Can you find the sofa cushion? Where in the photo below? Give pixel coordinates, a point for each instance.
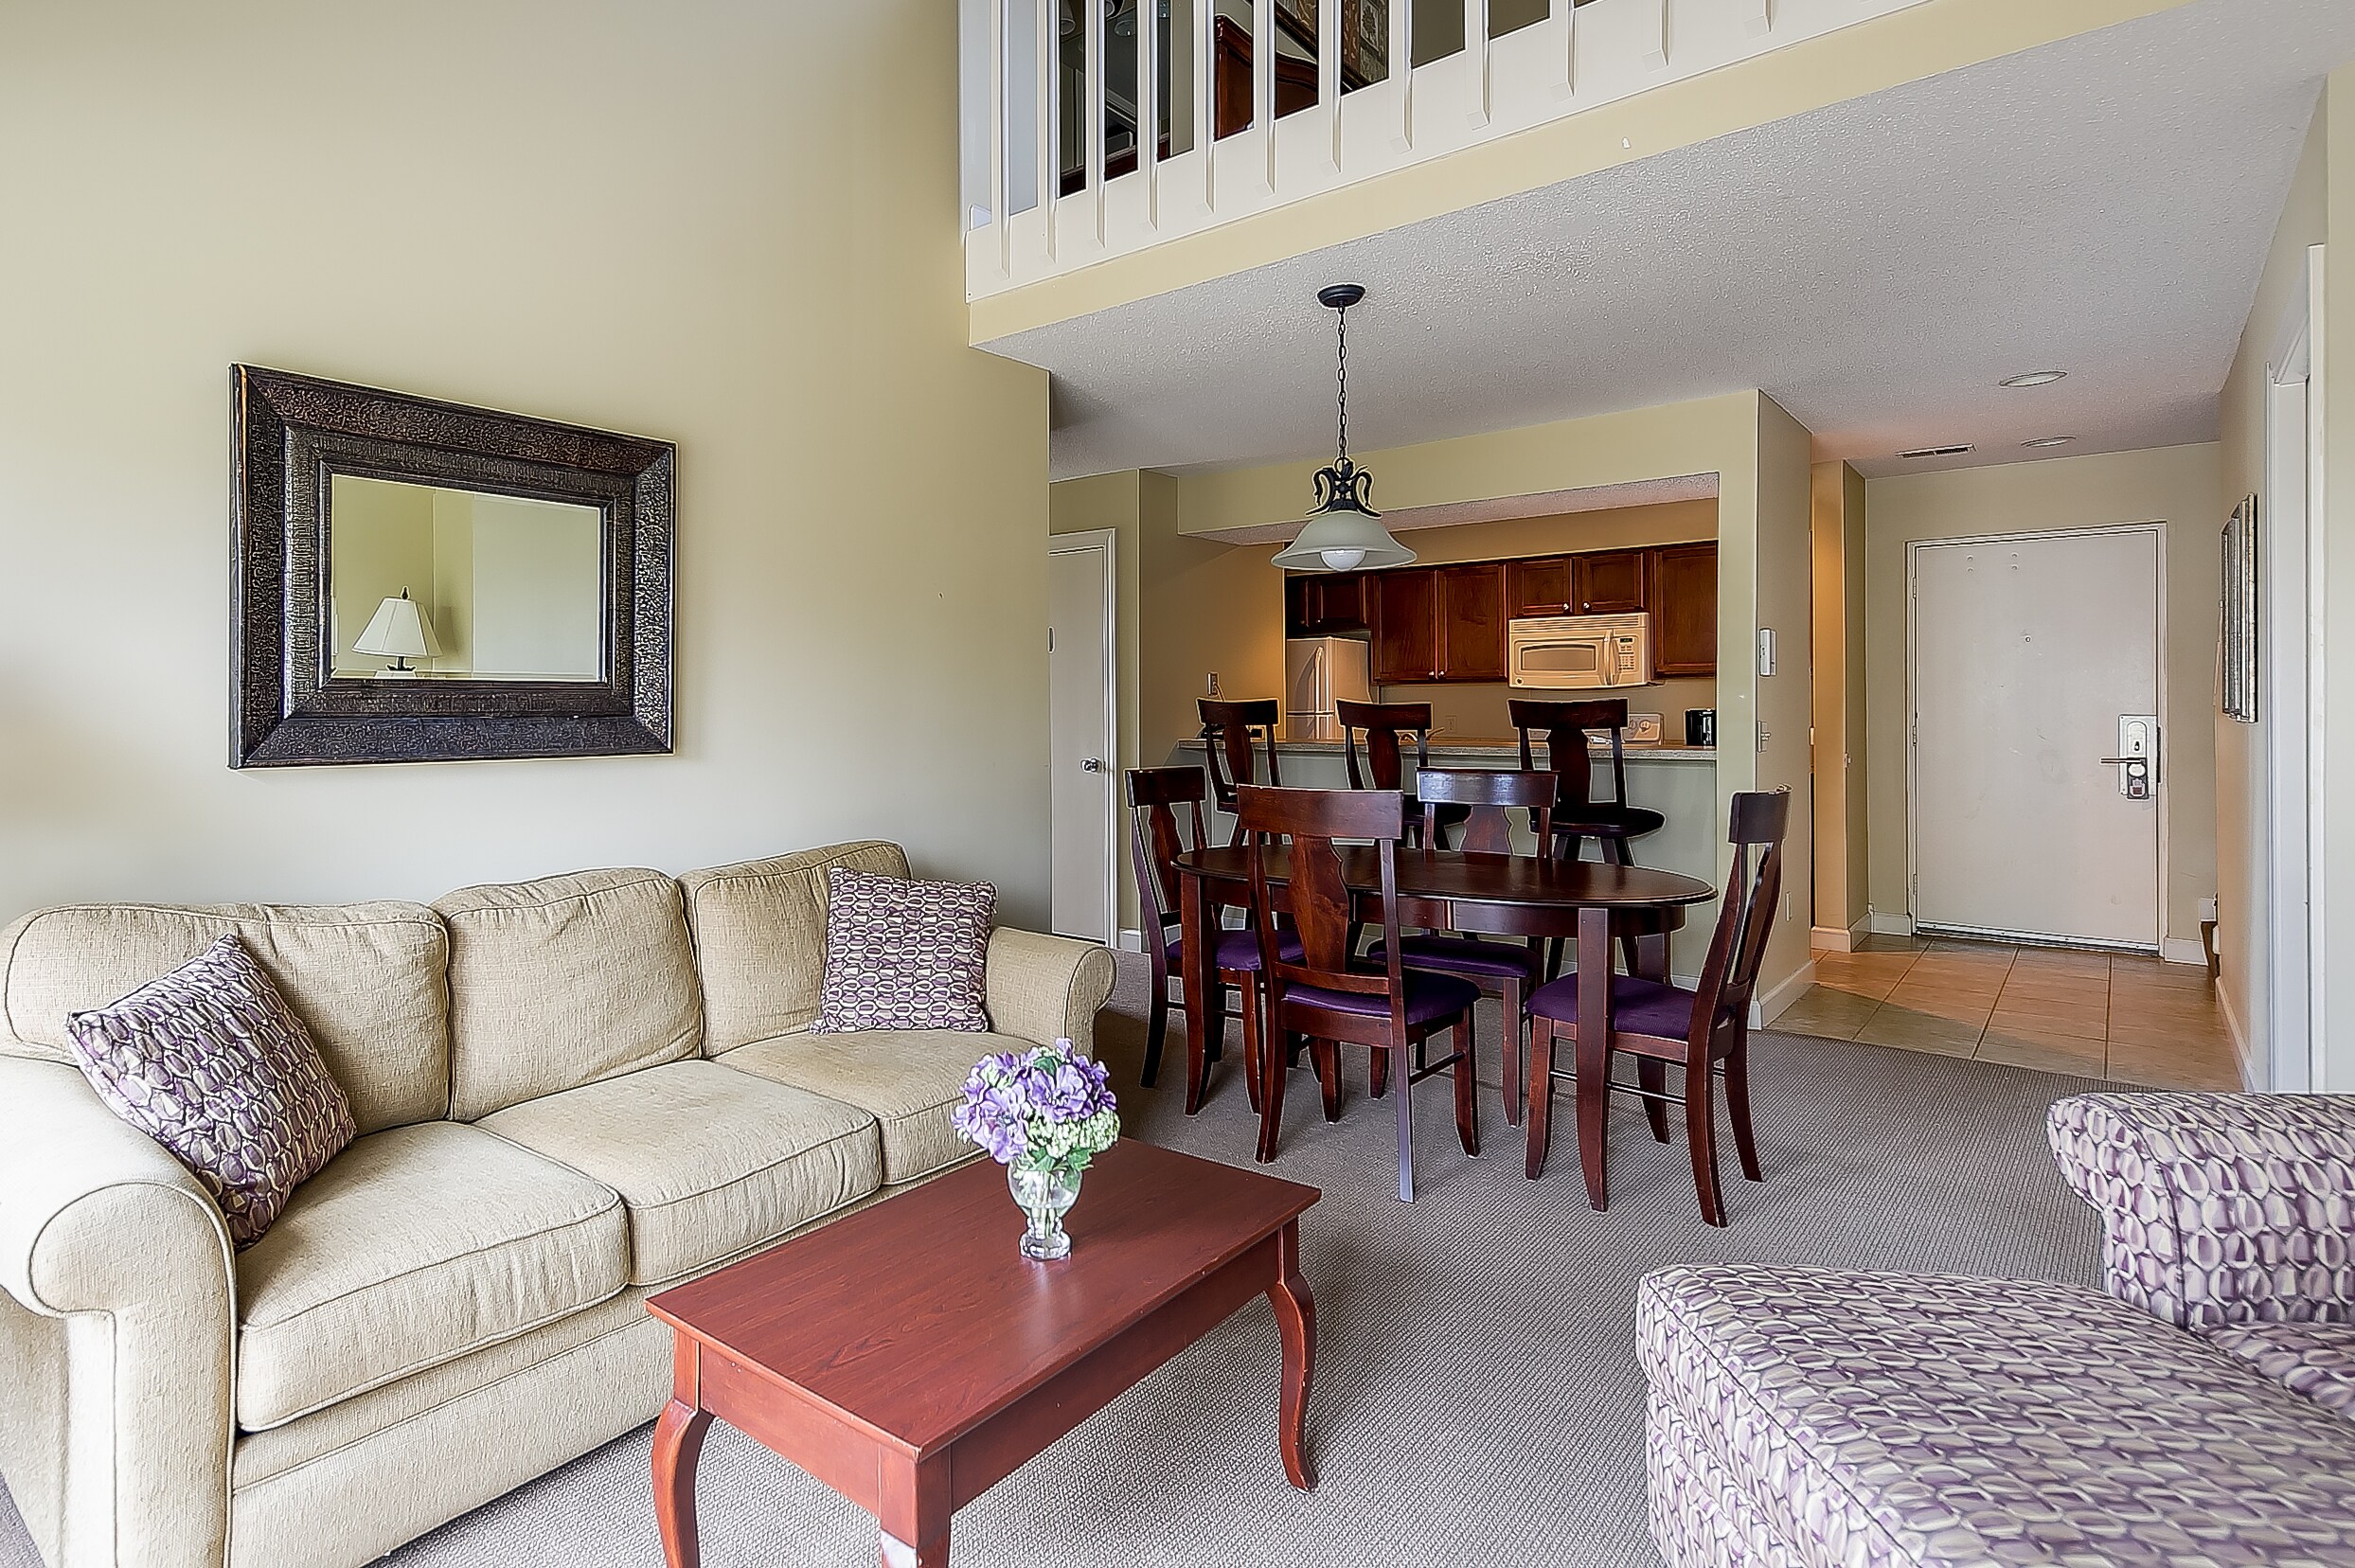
(759, 930)
(1925, 1420)
(208, 1062)
(904, 955)
(368, 980)
(2315, 1361)
(413, 1247)
(710, 1160)
(561, 982)
(909, 1079)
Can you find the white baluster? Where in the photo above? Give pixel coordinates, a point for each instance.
(1095, 102)
(1050, 119)
(1263, 80)
(1402, 70)
(1328, 70)
(1562, 15)
(1476, 44)
(1205, 121)
(1148, 106)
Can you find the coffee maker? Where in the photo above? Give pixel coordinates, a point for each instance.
(1700, 728)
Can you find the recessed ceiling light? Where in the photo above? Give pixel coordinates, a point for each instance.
(1938, 451)
(2050, 441)
(2034, 378)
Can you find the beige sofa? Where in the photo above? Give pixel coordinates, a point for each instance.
(570, 1093)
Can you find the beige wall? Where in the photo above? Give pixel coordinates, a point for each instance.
(2244, 930)
(2181, 487)
(1785, 698)
(1842, 863)
(731, 226)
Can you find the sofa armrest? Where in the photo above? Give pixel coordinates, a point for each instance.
(2219, 1208)
(1045, 988)
(103, 1228)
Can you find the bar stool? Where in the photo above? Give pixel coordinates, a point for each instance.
(1228, 733)
(1385, 765)
(1610, 823)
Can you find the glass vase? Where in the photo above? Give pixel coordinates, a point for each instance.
(1044, 1197)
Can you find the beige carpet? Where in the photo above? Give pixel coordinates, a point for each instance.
(1477, 1400)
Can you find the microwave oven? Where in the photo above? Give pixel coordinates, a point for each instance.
(1579, 652)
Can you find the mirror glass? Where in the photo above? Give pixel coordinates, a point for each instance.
(430, 582)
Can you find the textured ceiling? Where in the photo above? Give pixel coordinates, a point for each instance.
(2102, 205)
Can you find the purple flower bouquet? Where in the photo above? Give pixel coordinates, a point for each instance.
(1043, 1114)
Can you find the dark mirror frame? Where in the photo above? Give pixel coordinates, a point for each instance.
(290, 436)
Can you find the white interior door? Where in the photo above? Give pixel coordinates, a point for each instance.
(2028, 651)
(1080, 751)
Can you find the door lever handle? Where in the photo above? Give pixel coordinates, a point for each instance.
(2121, 761)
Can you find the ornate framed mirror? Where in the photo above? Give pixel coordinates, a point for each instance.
(420, 581)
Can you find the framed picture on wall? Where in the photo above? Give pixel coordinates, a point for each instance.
(2238, 679)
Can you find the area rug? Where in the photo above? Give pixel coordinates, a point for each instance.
(1477, 1399)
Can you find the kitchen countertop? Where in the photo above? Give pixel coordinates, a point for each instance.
(1474, 746)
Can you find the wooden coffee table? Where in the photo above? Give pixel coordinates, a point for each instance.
(910, 1358)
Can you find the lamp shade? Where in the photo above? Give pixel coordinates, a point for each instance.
(400, 630)
(1343, 539)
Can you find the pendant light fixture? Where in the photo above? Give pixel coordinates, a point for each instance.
(1343, 532)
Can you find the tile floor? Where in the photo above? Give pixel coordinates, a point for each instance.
(2131, 1019)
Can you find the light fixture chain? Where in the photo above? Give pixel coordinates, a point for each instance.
(1344, 383)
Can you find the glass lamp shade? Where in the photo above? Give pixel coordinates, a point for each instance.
(1343, 539)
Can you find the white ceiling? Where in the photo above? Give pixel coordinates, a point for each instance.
(2102, 205)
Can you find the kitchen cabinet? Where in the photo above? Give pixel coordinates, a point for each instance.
(1470, 614)
(1684, 609)
(1541, 586)
(1323, 604)
(1406, 641)
(1611, 583)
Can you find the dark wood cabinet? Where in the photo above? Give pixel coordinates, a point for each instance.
(1684, 609)
(1471, 616)
(1611, 583)
(1406, 644)
(1323, 604)
(1541, 586)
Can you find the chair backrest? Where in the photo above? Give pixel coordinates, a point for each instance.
(1755, 826)
(1158, 796)
(1565, 726)
(1491, 792)
(1227, 732)
(1322, 913)
(1383, 723)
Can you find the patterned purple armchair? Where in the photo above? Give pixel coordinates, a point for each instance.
(1861, 1420)
(2219, 1209)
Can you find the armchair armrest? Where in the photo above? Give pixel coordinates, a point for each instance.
(100, 1226)
(2219, 1208)
(1043, 988)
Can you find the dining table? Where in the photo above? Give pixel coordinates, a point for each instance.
(1473, 894)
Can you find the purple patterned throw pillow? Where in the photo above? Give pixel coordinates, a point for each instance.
(209, 1062)
(904, 955)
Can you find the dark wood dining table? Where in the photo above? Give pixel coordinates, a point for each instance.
(1473, 894)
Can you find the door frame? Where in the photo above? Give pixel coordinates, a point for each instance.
(1107, 540)
(2294, 971)
(2161, 798)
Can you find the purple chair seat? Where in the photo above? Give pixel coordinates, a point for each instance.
(1461, 955)
(1240, 950)
(1429, 997)
(1638, 1006)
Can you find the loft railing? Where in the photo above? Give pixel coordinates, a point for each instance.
(1145, 120)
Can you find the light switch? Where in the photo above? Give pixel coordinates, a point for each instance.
(1766, 651)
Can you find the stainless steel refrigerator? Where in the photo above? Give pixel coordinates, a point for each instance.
(1318, 673)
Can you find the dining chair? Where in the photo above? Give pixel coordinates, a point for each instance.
(1228, 733)
(1705, 1030)
(1506, 970)
(1610, 823)
(1325, 993)
(1158, 796)
(1384, 768)
(1564, 725)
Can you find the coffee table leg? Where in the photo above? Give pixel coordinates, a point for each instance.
(913, 1505)
(1295, 1319)
(678, 1445)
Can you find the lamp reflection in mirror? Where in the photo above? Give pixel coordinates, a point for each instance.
(400, 631)
(1344, 531)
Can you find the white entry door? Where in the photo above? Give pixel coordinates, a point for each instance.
(1081, 750)
(2034, 657)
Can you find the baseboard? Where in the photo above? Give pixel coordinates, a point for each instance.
(2252, 1078)
(1769, 1004)
(2182, 950)
(1832, 939)
(1890, 925)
